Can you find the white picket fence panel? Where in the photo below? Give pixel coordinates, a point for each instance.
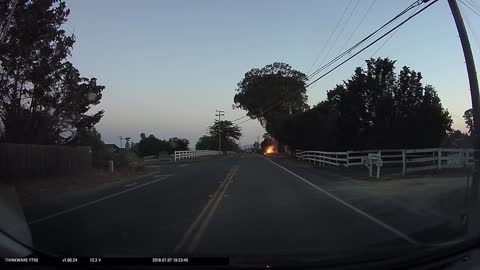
(410, 159)
(178, 155)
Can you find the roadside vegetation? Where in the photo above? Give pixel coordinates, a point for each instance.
(376, 108)
(229, 134)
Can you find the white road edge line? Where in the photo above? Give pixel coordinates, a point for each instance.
(377, 221)
(131, 184)
(160, 175)
(92, 202)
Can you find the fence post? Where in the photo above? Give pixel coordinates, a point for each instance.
(440, 158)
(378, 171)
(370, 167)
(348, 159)
(378, 167)
(404, 163)
(110, 166)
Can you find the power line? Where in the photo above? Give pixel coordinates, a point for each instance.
(331, 35)
(363, 49)
(473, 4)
(390, 37)
(339, 34)
(471, 8)
(244, 121)
(470, 28)
(358, 25)
(413, 5)
(375, 41)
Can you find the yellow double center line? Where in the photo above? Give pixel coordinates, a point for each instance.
(195, 232)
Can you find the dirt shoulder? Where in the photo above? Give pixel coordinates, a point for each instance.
(440, 193)
(33, 191)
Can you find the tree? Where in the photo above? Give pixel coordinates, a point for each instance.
(88, 137)
(468, 116)
(374, 109)
(149, 146)
(207, 143)
(458, 139)
(177, 144)
(256, 146)
(43, 98)
(229, 134)
(269, 93)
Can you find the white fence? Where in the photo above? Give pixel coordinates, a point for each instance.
(410, 159)
(194, 153)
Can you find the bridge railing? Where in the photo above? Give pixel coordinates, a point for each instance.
(194, 153)
(409, 160)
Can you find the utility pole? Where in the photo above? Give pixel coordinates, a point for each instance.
(219, 113)
(473, 219)
(121, 141)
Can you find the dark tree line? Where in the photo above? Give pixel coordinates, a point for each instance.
(375, 109)
(149, 146)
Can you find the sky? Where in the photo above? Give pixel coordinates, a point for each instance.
(167, 65)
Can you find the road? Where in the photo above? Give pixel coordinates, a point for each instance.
(235, 205)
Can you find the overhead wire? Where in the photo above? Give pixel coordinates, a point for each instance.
(411, 6)
(390, 37)
(473, 4)
(355, 54)
(375, 41)
(331, 35)
(339, 34)
(470, 7)
(470, 29)
(358, 25)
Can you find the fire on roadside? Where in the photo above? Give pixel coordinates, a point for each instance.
(270, 150)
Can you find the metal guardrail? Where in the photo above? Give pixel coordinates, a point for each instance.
(194, 153)
(410, 159)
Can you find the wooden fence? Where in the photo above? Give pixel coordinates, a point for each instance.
(409, 160)
(29, 160)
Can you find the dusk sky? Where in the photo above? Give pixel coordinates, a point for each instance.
(168, 65)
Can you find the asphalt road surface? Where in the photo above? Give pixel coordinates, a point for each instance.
(234, 205)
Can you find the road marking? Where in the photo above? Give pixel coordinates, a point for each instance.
(198, 236)
(200, 216)
(183, 165)
(161, 175)
(132, 184)
(377, 221)
(92, 202)
(203, 213)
